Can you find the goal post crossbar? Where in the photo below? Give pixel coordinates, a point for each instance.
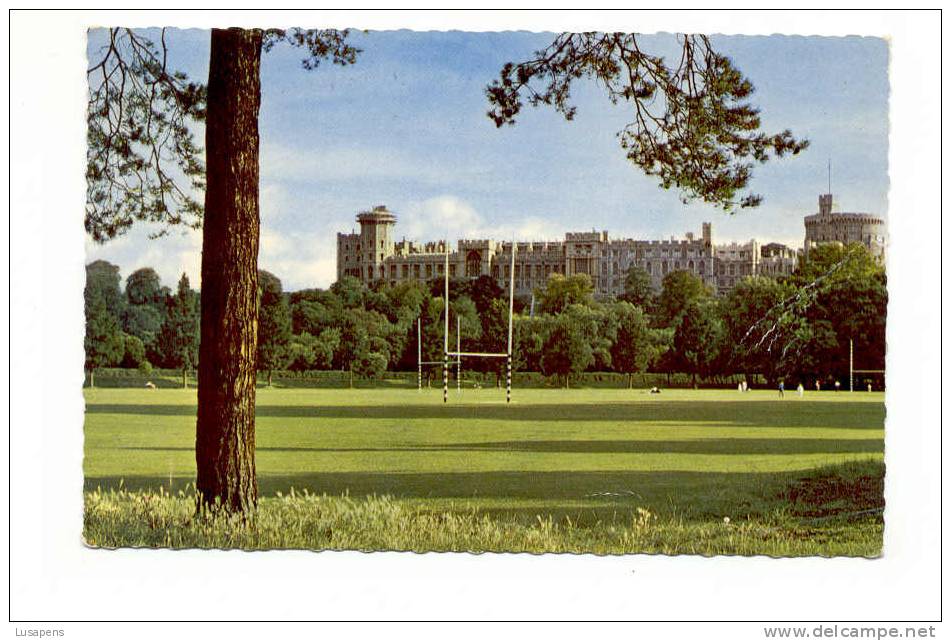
(478, 354)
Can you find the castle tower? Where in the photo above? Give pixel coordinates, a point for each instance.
(376, 241)
(825, 204)
(707, 231)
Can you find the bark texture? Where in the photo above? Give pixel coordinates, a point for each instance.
(224, 448)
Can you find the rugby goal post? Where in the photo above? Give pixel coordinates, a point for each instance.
(458, 354)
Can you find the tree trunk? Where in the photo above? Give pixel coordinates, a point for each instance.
(269, 372)
(630, 381)
(92, 379)
(351, 375)
(184, 378)
(224, 448)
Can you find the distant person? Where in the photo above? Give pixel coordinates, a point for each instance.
(818, 385)
(745, 386)
(655, 390)
(782, 388)
(800, 390)
(870, 387)
(837, 385)
(739, 387)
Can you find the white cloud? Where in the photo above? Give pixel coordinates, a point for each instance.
(171, 255)
(299, 260)
(451, 217)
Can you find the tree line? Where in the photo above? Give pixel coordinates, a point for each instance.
(796, 328)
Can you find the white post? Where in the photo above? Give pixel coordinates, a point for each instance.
(851, 373)
(458, 357)
(445, 337)
(508, 374)
(419, 354)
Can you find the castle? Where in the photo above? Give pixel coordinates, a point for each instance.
(373, 254)
(836, 227)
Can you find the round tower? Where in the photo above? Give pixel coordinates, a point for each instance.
(376, 240)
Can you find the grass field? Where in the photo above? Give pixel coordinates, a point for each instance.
(591, 459)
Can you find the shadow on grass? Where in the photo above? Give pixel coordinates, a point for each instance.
(793, 413)
(720, 446)
(579, 494)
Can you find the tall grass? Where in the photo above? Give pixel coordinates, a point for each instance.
(829, 512)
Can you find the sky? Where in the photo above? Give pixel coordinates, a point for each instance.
(407, 127)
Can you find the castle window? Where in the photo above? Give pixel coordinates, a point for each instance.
(473, 264)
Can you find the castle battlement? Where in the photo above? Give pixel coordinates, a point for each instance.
(372, 255)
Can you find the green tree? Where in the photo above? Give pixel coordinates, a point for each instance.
(104, 342)
(750, 318)
(179, 337)
(324, 347)
(142, 321)
(529, 342)
(561, 292)
(274, 325)
(698, 339)
(843, 297)
(144, 287)
(638, 289)
(568, 347)
(693, 125)
(362, 333)
(680, 291)
(306, 352)
(470, 325)
(493, 339)
(633, 349)
(433, 329)
(405, 302)
(102, 279)
(311, 316)
(145, 304)
(349, 291)
(139, 136)
(370, 364)
(133, 352)
(484, 291)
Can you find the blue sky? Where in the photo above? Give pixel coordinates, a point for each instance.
(406, 127)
